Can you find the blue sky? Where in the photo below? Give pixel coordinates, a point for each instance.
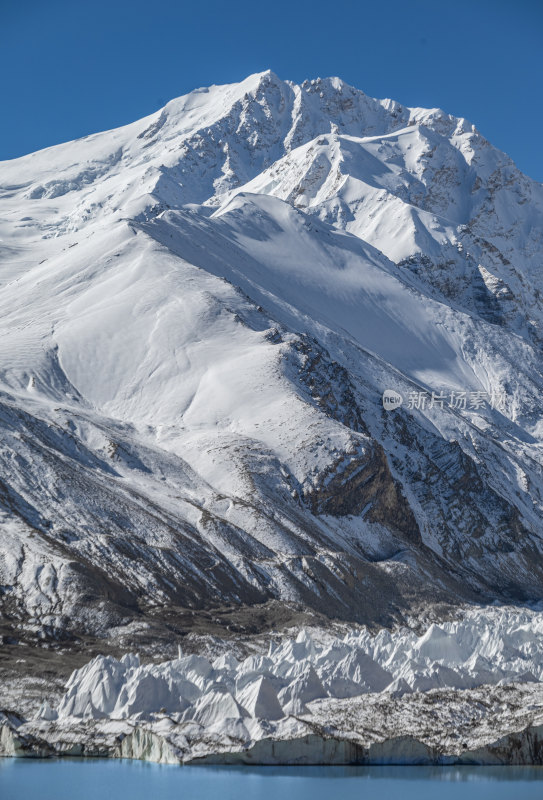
(68, 69)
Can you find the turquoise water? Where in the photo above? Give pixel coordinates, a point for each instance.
(73, 779)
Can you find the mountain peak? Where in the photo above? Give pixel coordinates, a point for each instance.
(199, 315)
(260, 80)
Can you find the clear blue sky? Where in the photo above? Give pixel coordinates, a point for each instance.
(73, 67)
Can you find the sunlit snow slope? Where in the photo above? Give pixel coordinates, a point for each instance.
(199, 314)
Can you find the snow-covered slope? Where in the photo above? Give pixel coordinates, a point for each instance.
(199, 314)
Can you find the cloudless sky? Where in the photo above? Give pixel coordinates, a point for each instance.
(73, 67)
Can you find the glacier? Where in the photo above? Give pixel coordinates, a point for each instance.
(497, 646)
(364, 697)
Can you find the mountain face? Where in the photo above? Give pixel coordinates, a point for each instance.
(199, 315)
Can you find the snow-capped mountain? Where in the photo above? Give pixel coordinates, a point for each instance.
(199, 315)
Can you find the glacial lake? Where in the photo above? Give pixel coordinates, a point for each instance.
(103, 779)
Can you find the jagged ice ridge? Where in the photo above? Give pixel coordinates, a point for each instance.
(485, 647)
